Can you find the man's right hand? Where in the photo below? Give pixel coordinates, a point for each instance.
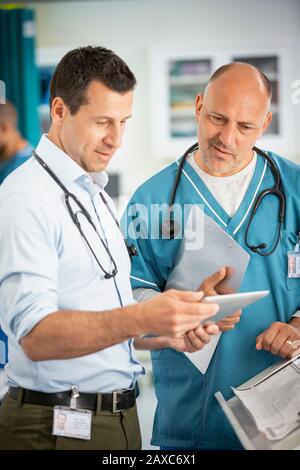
(174, 313)
(194, 340)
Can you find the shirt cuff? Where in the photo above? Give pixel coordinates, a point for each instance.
(296, 314)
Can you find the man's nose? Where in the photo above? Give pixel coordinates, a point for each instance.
(227, 135)
(114, 136)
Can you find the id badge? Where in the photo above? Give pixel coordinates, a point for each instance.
(294, 264)
(72, 422)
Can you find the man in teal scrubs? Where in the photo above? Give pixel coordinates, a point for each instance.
(14, 150)
(224, 174)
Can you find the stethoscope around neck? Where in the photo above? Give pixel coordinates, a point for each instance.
(82, 210)
(170, 228)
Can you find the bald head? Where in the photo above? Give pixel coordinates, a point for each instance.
(8, 113)
(240, 72)
(232, 114)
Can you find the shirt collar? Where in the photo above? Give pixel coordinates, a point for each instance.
(65, 168)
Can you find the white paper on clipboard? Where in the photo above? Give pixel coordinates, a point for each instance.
(193, 266)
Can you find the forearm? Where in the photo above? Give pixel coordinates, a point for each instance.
(69, 334)
(151, 344)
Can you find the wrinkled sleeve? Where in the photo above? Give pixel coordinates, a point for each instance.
(29, 242)
(135, 224)
(142, 295)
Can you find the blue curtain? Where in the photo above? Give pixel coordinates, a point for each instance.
(18, 69)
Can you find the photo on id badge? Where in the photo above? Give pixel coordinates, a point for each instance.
(61, 421)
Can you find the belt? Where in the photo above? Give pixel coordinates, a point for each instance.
(119, 400)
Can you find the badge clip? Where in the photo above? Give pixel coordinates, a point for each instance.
(74, 396)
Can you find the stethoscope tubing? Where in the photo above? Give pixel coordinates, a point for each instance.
(276, 189)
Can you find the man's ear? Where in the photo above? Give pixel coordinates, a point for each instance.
(267, 121)
(199, 104)
(58, 110)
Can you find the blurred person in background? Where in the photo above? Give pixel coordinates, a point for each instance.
(14, 149)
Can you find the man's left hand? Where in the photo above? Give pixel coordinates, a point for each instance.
(217, 284)
(228, 323)
(275, 338)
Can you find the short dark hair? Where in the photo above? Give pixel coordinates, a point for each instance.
(79, 67)
(225, 68)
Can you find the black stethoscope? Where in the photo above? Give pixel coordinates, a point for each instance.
(132, 251)
(170, 227)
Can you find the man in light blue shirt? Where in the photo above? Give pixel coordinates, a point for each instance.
(14, 150)
(68, 308)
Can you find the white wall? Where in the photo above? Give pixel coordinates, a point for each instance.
(131, 27)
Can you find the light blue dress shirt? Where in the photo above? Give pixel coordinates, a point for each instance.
(46, 266)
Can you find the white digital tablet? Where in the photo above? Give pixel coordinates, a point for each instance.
(230, 303)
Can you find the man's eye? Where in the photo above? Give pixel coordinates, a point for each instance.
(101, 123)
(217, 118)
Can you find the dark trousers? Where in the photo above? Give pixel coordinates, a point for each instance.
(26, 426)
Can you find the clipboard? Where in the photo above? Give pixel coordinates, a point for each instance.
(195, 262)
(243, 424)
(213, 250)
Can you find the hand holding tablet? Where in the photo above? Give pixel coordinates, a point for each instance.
(230, 303)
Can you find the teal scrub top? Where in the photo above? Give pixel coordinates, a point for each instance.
(187, 414)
